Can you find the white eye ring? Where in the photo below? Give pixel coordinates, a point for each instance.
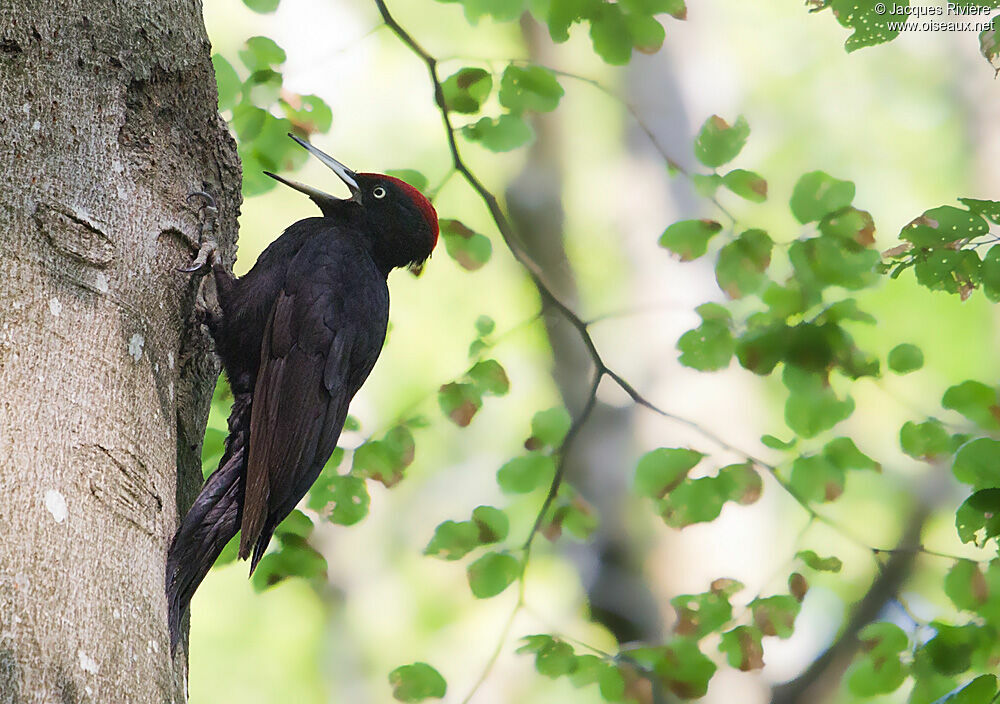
(378, 192)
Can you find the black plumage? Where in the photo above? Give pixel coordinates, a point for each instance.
(297, 337)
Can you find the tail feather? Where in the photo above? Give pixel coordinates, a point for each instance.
(210, 524)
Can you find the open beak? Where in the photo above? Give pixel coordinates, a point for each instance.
(319, 197)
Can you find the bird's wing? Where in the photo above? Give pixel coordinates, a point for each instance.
(323, 335)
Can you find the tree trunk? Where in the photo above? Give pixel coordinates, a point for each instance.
(609, 563)
(108, 121)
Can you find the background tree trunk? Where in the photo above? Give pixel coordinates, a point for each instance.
(108, 120)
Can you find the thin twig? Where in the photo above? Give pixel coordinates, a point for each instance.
(550, 299)
(501, 641)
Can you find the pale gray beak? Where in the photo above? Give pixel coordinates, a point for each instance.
(319, 197)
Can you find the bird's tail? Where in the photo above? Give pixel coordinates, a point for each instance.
(212, 521)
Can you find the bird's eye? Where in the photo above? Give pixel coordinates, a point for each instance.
(378, 192)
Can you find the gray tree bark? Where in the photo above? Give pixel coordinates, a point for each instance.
(107, 121)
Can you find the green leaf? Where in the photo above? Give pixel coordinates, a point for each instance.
(879, 670)
(981, 690)
(816, 479)
(550, 426)
(675, 8)
(453, 540)
(489, 377)
(309, 113)
(968, 588)
(788, 300)
(466, 90)
(485, 325)
(978, 463)
(846, 309)
(340, 498)
(714, 311)
(492, 573)
(590, 669)
(825, 261)
(491, 523)
(416, 682)
(746, 184)
(743, 648)
(701, 500)
(706, 184)
(989, 45)
(949, 270)
(500, 10)
(929, 686)
(942, 225)
(989, 209)
(295, 558)
(610, 34)
(709, 347)
(411, 176)
(905, 358)
(646, 34)
(777, 443)
(227, 81)
(247, 122)
(466, 246)
(553, 657)
(660, 471)
(564, 13)
(261, 53)
(262, 6)
(775, 615)
(978, 518)
(820, 564)
(989, 270)
(742, 263)
(688, 239)
(296, 524)
(385, 460)
(844, 454)
(701, 614)
(459, 401)
(850, 224)
(684, 669)
(503, 134)
(575, 516)
(718, 143)
(529, 88)
(976, 401)
(870, 26)
(817, 194)
(523, 474)
(952, 647)
(760, 350)
(809, 413)
(263, 88)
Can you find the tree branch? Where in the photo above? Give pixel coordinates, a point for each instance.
(813, 685)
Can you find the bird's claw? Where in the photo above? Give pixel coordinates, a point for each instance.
(208, 211)
(208, 208)
(204, 260)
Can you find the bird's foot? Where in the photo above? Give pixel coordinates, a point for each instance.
(207, 211)
(203, 262)
(207, 214)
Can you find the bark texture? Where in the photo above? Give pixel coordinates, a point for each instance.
(108, 120)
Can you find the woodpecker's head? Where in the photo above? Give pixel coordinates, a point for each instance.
(402, 222)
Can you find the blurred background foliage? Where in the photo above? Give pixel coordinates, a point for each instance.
(758, 231)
